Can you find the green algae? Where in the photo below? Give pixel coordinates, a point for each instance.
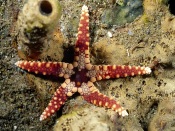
(124, 13)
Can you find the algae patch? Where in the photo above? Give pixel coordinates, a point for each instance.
(122, 14)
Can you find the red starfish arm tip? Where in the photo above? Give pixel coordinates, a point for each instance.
(83, 30)
(99, 72)
(57, 101)
(82, 43)
(45, 68)
(147, 70)
(99, 99)
(62, 93)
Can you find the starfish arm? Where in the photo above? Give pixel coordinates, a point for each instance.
(60, 96)
(92, 95)
(47, 68)
(99, 99)
(99, 72)
(82, 44)
(57, 101)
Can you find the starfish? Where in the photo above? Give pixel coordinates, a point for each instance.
(81, 74)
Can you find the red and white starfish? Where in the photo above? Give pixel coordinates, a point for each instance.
(80, 75)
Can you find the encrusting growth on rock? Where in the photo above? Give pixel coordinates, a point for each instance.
(80, 75)
(37, 20)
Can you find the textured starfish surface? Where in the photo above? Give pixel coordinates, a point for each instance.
(80, 75)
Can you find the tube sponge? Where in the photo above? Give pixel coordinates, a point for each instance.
(36, 20)
(40, 13)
